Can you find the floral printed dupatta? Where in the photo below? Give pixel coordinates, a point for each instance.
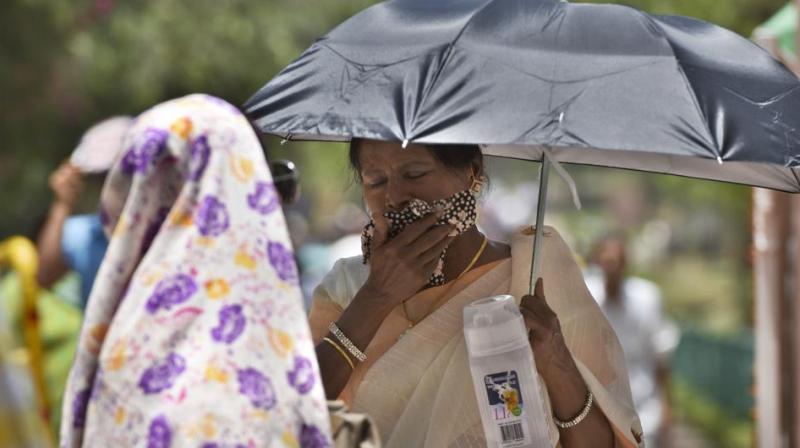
(195, 333)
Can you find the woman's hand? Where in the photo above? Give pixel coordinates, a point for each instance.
(398, 269)
(67, 184)
(402, 266)
(544, 333)
(564, 382)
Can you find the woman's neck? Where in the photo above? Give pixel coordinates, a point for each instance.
(463, 249)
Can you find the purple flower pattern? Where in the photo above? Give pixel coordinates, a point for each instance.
(212, 217)
(200, 152)
(302, 377)
(264, 199)
(153, 228)
(162, 376)
(256, 387)
(79, 405)
(312, 437)
(231, 324)
(159, 434)
(170, 292)
(141, 155)
(282, 260)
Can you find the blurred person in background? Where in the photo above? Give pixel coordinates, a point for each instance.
(318, 258)
(68, 242)
(633, 307)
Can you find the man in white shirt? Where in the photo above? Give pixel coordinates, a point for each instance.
(633, 307)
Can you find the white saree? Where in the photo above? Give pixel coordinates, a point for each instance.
(419, 389)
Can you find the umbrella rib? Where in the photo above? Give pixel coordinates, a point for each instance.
(376, 66)
(571, 81)
(794, 173)
(445, 60)
(765, 103)
(693, 95)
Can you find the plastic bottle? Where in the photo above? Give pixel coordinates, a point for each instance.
(504, 374)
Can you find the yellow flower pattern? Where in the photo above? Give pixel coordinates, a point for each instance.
(217, 288)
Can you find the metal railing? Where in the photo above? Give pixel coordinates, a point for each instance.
(721, 368)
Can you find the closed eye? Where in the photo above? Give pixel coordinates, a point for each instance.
(416, 174)
(375, 182)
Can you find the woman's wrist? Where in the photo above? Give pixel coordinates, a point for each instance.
(363, 316)
(374, 302)
(564, 381)
(554, 361)
(60, 208)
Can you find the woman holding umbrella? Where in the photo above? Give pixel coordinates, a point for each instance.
(388, 324)
(602, 85)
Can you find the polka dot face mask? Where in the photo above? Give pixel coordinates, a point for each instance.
(460, 210)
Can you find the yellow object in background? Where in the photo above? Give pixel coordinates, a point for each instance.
(19, 255)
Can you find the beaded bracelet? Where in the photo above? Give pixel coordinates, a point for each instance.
(348, 344)
(578, 418)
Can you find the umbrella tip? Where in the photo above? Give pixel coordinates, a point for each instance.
(719, 160)
(405, 143)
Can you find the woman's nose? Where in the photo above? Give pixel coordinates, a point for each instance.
(396, 197)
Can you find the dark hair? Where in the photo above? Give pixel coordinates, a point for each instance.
(454, 157)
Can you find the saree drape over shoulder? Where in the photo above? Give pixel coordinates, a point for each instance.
(416, 383)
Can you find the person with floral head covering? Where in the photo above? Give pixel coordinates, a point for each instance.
(195, 333)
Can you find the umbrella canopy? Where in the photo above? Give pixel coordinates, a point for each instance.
(596, 84)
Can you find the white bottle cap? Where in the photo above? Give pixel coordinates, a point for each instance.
(494, 325)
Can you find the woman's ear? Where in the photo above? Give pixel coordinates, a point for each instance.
(476, 167)
(477, 178)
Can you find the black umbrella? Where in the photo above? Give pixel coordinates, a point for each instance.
(603, 85)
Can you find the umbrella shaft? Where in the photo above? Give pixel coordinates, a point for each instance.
(541, 204)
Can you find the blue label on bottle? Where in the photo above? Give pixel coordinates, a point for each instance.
(505, 395)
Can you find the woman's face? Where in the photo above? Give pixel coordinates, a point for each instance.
(393, 175)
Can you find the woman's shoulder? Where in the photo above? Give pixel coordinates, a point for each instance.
(525, 236)
(557, 259)
(344, 280)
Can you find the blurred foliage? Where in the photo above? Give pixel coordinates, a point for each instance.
(694, 407)
(741, 16)
(60, 322)
(67, 64)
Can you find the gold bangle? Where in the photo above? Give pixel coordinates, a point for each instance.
(341, 352)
